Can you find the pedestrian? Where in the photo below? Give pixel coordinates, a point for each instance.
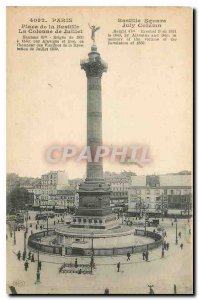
(179, 234)
(165, 234)
(167, 246)
(162, 252)
(29, 255)
(29, 218)
(128, 256)
(147, 255)
(24, 255)
(75, 262)
(26, 265)
(106, 292)
(118, 266)
(19, 255)
(39, 265)
(32, 258)
(40, 227)
(172, 224)
(181, 246)
(143, 255)
(151, 291)
(80, 271)
(92, 263)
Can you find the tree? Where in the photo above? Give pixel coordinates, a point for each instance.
(17, 199)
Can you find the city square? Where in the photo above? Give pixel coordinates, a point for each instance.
(113, 227)
(134, 275)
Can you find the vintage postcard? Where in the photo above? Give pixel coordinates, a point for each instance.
(99, 150)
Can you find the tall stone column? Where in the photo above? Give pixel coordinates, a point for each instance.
(94, 67)
(94, 193)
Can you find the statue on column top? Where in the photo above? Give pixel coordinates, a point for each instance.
(93, 30)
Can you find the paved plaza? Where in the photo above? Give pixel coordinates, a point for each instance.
(134, 276)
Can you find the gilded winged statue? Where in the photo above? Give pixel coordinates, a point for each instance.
(93, 30)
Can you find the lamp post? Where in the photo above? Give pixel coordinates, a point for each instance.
(175, 289)
(162, 207)
(176, 232)
(92, 237)
(26, 219)
(47, 223)
(188, 207)
(122, 218)
(140, 207)
(188, 211)
(38, 270)
(92, 249)
(163, 244)
(47, 217)
(14, 234)
(145, 220)
(25, 241)
(145, 226)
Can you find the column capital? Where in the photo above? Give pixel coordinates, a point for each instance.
(94, 66)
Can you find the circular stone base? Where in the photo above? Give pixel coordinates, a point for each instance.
(123, 236)
(67, 240)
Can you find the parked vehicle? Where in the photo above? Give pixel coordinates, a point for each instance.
(51, 215)
(19, 218)
(20, 226)
(153, 223)
(41, 216)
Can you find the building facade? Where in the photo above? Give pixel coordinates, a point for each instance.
(64, 200)
(119, 185)
(51, 182)
(160, 195)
